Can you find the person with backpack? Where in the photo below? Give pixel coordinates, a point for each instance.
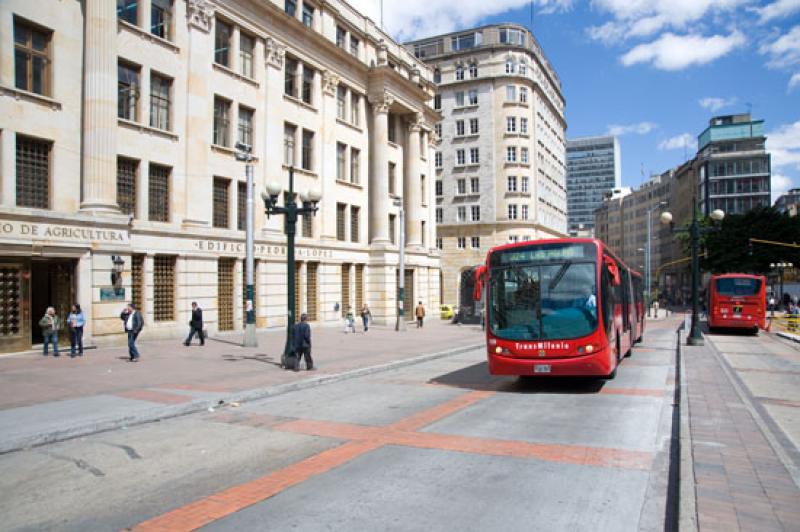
(133, 322)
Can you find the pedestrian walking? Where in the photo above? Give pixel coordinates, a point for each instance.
(366, 316)
(196, 325)
(349, 321)
(76, 321)
(50, 325)
(302, 343)
(134, 322)
(419, 312)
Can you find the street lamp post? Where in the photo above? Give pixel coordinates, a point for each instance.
(291, 211)
(781, 267)
(400, 325)
(695, 336)
(648, 253)
(244, 154)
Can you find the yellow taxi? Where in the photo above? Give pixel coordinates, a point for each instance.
(446, 312)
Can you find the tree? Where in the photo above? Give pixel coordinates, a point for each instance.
(729, 249)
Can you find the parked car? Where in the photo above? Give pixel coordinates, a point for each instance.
(446, 312)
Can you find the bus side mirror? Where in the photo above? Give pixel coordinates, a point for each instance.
(480, 275)
(613, 271)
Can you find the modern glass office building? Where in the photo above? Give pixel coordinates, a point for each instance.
(594, 168)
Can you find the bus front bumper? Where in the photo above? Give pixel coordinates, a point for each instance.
(595, 365)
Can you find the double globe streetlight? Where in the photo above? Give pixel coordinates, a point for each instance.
(695, 336)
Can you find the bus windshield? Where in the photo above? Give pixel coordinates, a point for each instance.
(743, 286)
(543, 300)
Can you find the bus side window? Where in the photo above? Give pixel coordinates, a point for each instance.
(607, 299)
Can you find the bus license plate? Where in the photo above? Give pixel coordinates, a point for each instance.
(541, 368)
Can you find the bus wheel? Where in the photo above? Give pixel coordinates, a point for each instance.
(754, 332)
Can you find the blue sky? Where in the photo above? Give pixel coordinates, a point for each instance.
(651, 71)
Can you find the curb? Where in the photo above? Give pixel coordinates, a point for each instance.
(687, 503)
(789, 336)
(166, 412)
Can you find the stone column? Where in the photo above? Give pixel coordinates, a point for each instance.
(412, 191)
(431, 145)
(379, 179)
(327, 171)
(8, 169)
(99, 187)
(272, 143)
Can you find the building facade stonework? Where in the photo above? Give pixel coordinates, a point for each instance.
(119, 180)
(500, 163)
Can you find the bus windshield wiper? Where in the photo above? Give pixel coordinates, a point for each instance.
(559, 275)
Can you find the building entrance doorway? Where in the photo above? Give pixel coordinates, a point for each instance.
(52, 285)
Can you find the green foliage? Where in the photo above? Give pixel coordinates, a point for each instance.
(729, 249)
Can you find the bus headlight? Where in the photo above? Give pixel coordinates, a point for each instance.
(498, 349)
(590, 348)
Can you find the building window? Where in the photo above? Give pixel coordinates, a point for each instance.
(220, 205)
(474, 155)
(475, 242)
(160, 88)
(524, 212)
(355, 165)
(439, 243)
(512, 36)
(290, 77)
(437, 102)
(392, 172)
(241, 205)
(137, 281)
(461, 213)
(437, 76)
(511, 124)
(437, 159)
(511, 93)
(473, 126)
(474, 185)
(308, 84)
(127, 170)
(341, 213)
(422, 190)
(127, 91)
(524, 184)
(462, 242)
(509, 67)
(511, 154)
(222, 111)
(158, 193)
(523, 94)
(355, 109)
(308, 220)
(246, 51)
(460, 99)
(392, 231)
(308, 14)
(523, 69)
(354, 46)
(512, 211)
(341, 102)
(439, 187)
(127, 10)
(459, 73)
(513, 238)
(307, 159)
(512, 183)
(290, 7)
(392, 127)
(161, 18)
(473, 97)
(33, 173)
(461, 186)
(439, 215)
(461, 157)
(473, 70)
(422, 232)
(246, 126)
(31, 58)
(289, 134)
(163, 288)
(523, 154)
(222, 43)
(354, 221)
(341, 161)
(523, 126)
(341, 35)
(459, 128)
(475, 213)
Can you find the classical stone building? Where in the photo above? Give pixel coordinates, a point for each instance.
(500, 166)
(118, 128)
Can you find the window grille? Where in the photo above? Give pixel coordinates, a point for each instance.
(164, 288)
(225, 294)
(158, 191)
(341, 210)
(126, 185)
(11, 301)
(298, 294)
(359, 287)
(137, 281)
(33, 173)
(241, 206)
(220, 205)
(311, 287)
(354, 212)
(345, 283)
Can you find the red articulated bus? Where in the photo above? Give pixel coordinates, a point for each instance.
(558, 307)
(737, 300)
(638, 301)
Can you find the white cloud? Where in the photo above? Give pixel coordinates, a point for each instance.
(779, 9)
(715, 104)
(416, 19)
(783, 51)
(784, 146)
(676, 52)
(780, 185)
(678, 142)
(794, 82)
(641, 128)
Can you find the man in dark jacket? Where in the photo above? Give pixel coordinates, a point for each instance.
(196, 325)
(133, 322)
(302, 343)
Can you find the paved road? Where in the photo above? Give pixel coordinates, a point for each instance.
(434, 446)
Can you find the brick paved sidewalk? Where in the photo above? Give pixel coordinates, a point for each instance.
(47, 398)
(740, 481)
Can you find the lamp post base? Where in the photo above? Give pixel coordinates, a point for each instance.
(695, 340)
(250, 339)
(400, 324)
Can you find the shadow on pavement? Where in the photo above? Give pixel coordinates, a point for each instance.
(477, 377)
(258, 357)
